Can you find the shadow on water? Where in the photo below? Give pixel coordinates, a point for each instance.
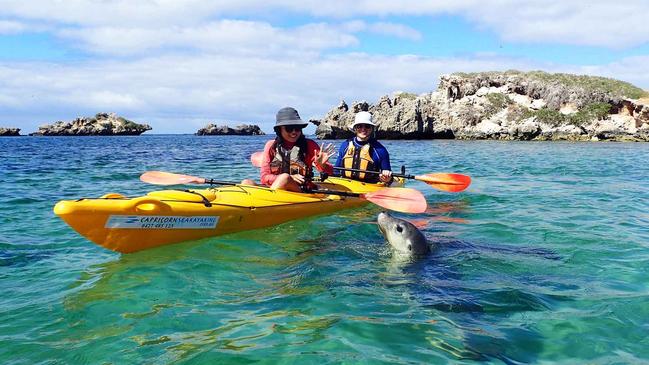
(277, 265)
(459, 247)
(227, 254)
(11, 257)
(438, 284)
(223, 293)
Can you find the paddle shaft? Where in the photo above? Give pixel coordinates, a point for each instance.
(333, 192)
(399, 199)
(217, 182)
(405, 176)
(307, 191)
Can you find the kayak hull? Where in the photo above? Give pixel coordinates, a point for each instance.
(165, 217)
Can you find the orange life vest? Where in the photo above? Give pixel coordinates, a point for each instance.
(360, 159)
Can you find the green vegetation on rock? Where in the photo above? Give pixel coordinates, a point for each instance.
(591, 84)
(497, 102)
(590, 112)
(546, 115)
(594, 111)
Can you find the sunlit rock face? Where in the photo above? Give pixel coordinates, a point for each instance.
(507, 106)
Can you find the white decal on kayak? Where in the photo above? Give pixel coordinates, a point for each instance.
(161, 222)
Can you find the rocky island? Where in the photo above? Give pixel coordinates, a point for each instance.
(102, 124)
(240, 130)
(509, 105)
(9, 132)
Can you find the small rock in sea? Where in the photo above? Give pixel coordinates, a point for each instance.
(240, 130)
(102, 124)
(8, 132)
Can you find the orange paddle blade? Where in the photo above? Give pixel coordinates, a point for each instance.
(446, 181)
(168, 178)
(256, 159)
(404, 200)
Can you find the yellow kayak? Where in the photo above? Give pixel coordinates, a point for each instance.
(169, 216)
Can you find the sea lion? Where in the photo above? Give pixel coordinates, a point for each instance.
(402, 235)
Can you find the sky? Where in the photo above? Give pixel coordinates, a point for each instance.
(181, 64)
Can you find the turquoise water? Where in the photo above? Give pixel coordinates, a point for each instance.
(544, 259)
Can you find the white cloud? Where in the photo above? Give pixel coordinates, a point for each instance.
(398, 30)
(181, 94)
(223, 37)
(231, 36)
(111, 99)
(117, 12)
(590, 23)
(11, 27)
(577, 22)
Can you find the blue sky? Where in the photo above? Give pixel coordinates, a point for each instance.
(179, 65)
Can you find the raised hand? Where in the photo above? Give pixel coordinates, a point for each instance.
(325, 152)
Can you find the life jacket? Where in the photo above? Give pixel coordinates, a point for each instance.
(288, 162)
(360, 159)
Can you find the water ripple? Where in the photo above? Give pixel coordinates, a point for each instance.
(543, 256)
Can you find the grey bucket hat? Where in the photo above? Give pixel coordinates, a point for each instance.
(288, 116)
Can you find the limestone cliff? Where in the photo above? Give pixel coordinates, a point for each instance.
(508, 105)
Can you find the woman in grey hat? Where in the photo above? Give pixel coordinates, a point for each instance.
(288, 160)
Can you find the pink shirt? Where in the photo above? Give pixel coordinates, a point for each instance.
(312, 149)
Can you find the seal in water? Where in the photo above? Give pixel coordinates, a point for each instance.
(402, 235)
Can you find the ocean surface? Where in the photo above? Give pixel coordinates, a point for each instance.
(543, 260)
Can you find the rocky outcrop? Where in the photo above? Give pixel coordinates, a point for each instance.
(8, 132)
(505, 105)
(240, 130)
(102, 124)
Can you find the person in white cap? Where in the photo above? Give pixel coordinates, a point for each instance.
(364, 152)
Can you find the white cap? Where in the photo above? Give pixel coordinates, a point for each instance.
(363, 118)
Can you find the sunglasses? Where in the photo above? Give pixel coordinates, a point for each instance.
(366, 126)
(293, 128)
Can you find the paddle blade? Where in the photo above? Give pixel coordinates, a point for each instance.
(256, 159)
(168, 178)
(452, 183)
(404, 200)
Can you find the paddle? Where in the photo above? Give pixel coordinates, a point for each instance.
(169, 178)
(398, 199)
(442, 180)
(403, 200)
(450, 182)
